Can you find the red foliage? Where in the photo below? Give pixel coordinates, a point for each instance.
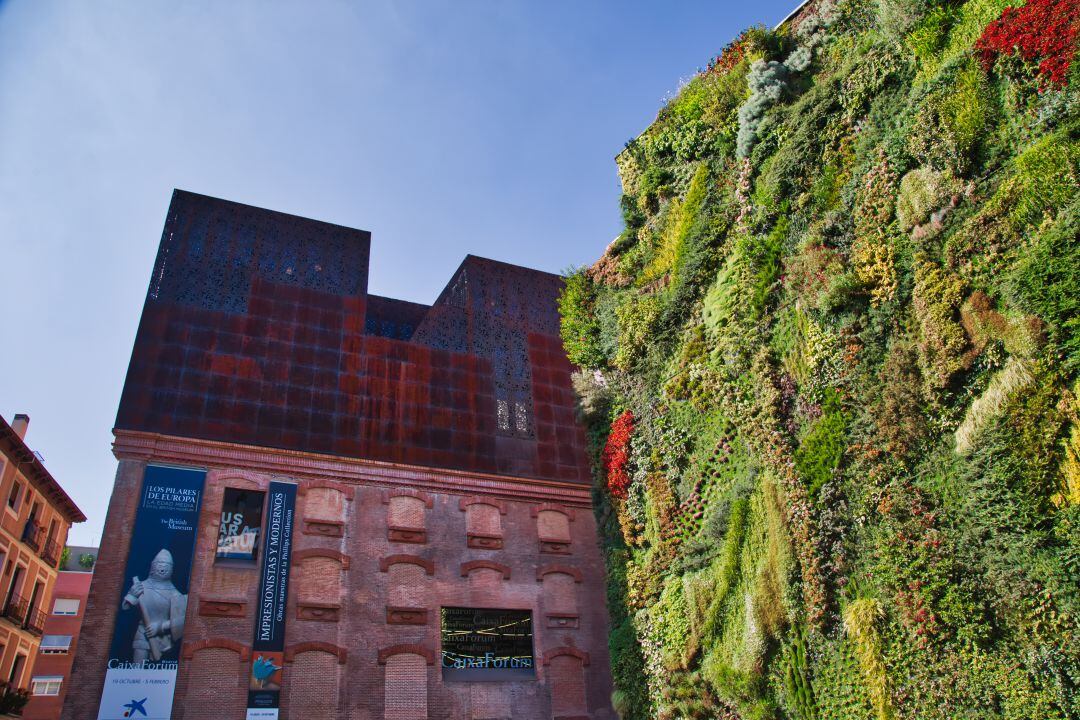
(1042, 30)
(616, 455)
(731, 55)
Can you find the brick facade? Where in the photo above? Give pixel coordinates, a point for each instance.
(364, 664)
(72, 586)
(35, 517)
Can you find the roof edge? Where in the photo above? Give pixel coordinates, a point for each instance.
(38, 474)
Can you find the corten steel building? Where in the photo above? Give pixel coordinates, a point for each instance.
(444, 558)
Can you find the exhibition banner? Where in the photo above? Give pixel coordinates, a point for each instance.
(141, 674)
(267, 650)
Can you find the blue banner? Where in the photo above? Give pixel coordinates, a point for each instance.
(268, 659)
(141, 676)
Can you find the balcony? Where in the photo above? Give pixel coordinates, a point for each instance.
(32, 535)
(35, 621)
(50, 552)
(15, 609)
(18, 611)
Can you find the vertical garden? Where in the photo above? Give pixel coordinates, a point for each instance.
(830, 373)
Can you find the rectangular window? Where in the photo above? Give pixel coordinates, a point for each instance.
(66, 606)
(13, 498)
(46, 684)
(486, 644)
(241, 520)
(15, 678)
(55, 644)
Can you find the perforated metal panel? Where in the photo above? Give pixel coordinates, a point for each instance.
(488, 309)
(258, 329)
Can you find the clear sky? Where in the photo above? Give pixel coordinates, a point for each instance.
(444, 127)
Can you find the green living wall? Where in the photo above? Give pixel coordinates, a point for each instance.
(830, 368)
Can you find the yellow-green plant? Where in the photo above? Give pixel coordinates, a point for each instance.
(861, 620)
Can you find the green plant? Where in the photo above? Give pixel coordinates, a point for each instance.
(843, 316)
(87, 561)
(1046, 281)
(580, 327)
(798, 690)
(822, 448)
(682, 216)
(861, 621)
(942, 341)
(923, 192)
(949, 123)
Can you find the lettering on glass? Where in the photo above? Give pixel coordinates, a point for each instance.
(486, 644)
(241, 519)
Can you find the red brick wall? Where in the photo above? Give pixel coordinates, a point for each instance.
(88, 669)
(211, 686)
(352, 679)
(312, 687)
(71, 585)
(405, 687)
(566, 678)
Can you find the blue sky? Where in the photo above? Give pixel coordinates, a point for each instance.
(443, 127)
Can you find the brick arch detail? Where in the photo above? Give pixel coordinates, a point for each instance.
(300, 555)
(386, 562)
(407, 649)
(346, 490)
(535, 510)
(429, 502)
(188, 649)
(480, 500)
(566, 650)
(257, 481)
(468, 567)
(565, 569)
(316, 646)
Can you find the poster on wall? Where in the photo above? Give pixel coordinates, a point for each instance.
(144, 655)
(267, 649)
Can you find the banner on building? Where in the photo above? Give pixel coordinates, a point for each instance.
(141, 673)
(267, 649)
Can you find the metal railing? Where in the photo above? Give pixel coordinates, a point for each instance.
(35, 621)
(15, 609)
(32, 535)
(51, 551)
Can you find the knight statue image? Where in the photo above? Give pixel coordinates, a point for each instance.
(161, 610)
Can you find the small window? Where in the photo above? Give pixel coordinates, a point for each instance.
(13, 498)
(241, 519)
(503, 408)
(485, 644)
(521, 418)
(66, 606)
(55, 644)
(46, 684)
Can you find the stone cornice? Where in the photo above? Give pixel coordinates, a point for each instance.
(154, 447)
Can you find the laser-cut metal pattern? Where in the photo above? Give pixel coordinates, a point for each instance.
(258, 329)
(390, 318)
(212, 252)
(488, 309)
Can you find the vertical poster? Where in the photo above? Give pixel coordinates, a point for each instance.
(141, 674)
(267, 650)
